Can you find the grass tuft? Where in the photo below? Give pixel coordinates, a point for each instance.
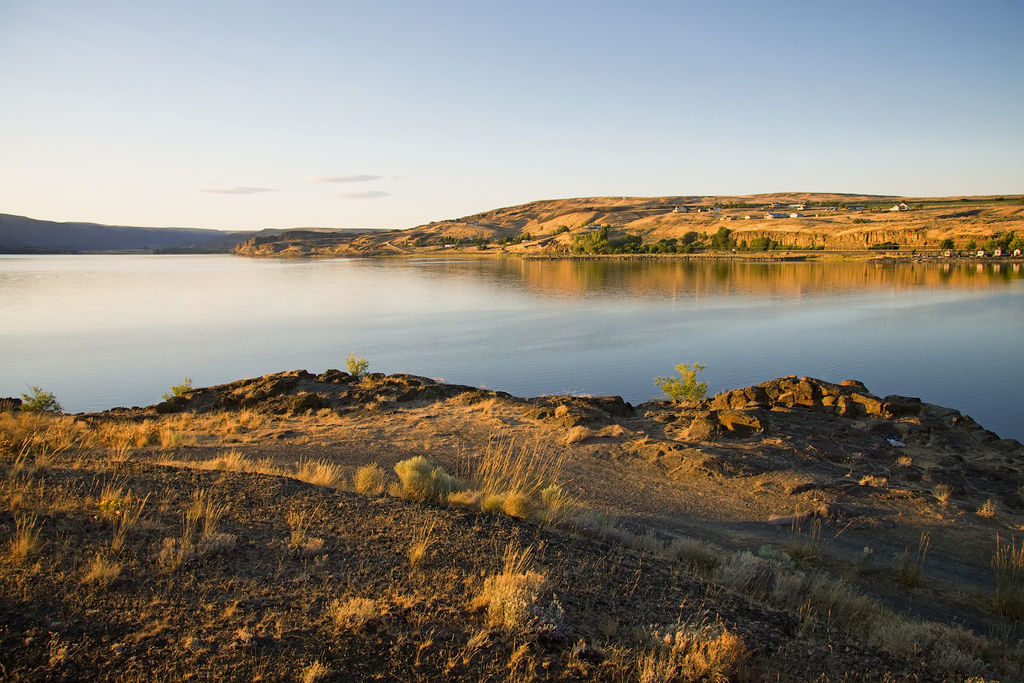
(370, 479)
(1008, 566)
(910, 566)
(24, 542)
(319, 473)
(422, 481)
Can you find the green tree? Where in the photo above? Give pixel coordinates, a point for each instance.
(685, 387)
(971, 245)
(946, 243)
(722, 239)
(40, 401)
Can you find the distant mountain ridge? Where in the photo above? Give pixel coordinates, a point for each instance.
(20, 234)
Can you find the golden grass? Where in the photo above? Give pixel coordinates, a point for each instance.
(24, 542)
(988, 510)
(199, 536)
(315, 672)
(422, 481)
(300, 542)
(355, 613)
(510, 597)
(102, 571)
(370, 479)
(320, 473)
(694, 652)
(942, 493)
(577, 434)
(419, 547)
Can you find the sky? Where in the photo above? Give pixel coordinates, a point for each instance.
(259, 114)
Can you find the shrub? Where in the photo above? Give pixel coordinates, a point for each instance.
(513, 597)
(40, 401)
(369, 479)
(685, 387)
(357, 367)
(179, 389)
(422, 481)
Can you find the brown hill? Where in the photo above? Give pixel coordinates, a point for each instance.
(829, 221)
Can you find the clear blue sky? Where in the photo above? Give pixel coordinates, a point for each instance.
(389, 114)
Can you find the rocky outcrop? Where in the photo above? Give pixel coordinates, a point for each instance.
(757, 409)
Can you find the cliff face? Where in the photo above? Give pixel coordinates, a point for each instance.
(834, 222)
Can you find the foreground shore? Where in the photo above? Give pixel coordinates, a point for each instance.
(331, 527)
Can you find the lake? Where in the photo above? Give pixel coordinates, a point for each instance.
(103, 331)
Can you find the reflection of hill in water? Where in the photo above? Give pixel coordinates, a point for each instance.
(671, 278)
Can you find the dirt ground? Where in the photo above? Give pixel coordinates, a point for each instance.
(857, 519)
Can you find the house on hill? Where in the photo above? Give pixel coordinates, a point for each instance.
(771, 215)
(902, 206)
(681, 209)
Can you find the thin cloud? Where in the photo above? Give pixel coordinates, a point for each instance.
(366, 194)
(351, 178)
(235, 189)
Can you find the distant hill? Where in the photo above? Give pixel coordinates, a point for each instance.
(19, 234)
(790, 220)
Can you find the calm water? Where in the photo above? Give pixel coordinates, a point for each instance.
(103, 331)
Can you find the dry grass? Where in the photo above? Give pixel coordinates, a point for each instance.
(320, 473)
(513, 598)
(804, 543)
(698, 557)
(315, 672)
(370, 479)
(1008, 566)
(24, 542)
(419, 547)
(694, 652)
(910, 566)
(300, 542)
(577, 434)
(102, 571)
(199, 536)
(422, 481)
(872, 480)
(988, 510)
(355, 613)
(942, 493)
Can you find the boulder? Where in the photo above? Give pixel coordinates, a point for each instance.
(740, 423)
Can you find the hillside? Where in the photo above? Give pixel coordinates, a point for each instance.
(549, 227)
(331, 527)
(19, 234)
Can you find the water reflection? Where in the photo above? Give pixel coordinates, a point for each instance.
(675, 278)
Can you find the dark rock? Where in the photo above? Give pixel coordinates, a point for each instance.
(613, 405)
(10, 405)
(304, 402)
(900, 406)
(335, 377)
